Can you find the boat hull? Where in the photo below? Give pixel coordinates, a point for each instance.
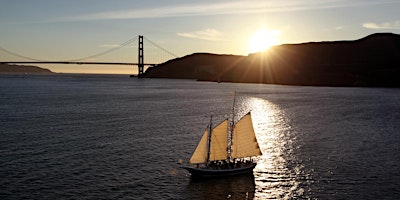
(205, 172)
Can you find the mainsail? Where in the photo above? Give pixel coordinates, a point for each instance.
(218, 146)
(244, 142)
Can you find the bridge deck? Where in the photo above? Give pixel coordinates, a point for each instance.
(72, 62)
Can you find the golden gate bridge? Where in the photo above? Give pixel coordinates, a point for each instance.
(155, 54)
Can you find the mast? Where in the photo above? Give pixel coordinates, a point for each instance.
(209, 141)
(230, 131)
(233, 108)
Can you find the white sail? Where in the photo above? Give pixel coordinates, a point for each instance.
(200, 154)
(219, 142)
(244, 141)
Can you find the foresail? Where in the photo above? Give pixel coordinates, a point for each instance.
(200, 154)
(219, 142)
(244, 142)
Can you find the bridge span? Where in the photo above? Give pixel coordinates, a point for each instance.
(81, 61)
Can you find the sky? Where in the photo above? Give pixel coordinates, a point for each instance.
(71, 29)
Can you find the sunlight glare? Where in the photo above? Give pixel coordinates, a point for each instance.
(274, 178)
(263, 39)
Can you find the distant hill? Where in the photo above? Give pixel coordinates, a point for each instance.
(370, 61)
(195, 66)
(22, 69)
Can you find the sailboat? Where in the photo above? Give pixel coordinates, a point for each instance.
(225, 149)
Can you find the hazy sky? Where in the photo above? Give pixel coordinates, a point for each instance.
(69, 29)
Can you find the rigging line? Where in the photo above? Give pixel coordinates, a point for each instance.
(18, 55)
(108, 50)
(158, 46)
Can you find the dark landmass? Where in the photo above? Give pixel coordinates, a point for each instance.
(22, 69)
(373, 61)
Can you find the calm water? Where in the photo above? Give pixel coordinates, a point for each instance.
(109, 137)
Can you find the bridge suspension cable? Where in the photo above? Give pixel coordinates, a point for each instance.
(130, 41)
(161, 48)
(19, 55)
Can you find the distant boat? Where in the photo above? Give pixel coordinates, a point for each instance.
(224, 150)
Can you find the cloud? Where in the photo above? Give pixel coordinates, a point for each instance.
(225, 8)
(384, 25)
(207, 34)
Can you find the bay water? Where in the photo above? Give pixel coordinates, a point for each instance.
(71, 136)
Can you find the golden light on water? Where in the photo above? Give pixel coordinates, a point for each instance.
(273, 177)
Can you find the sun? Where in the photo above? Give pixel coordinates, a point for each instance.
(262, 40)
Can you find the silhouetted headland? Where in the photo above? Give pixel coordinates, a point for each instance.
(371, 61)
(22, 69)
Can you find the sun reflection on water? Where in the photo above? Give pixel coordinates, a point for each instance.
(277, 173)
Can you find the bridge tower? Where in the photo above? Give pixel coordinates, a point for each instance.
(140, 56)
